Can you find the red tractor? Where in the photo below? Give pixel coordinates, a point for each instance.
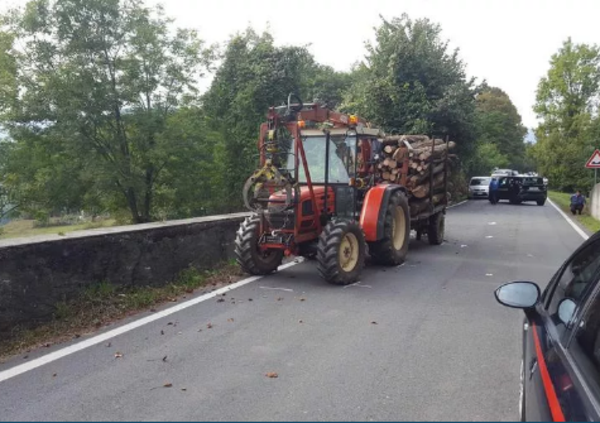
(317, 194)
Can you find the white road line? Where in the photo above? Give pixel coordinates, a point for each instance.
(71, 349)
(568, 219)
(458, 204)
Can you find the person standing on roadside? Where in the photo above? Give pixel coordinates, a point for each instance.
(577, 202)
(493, 190)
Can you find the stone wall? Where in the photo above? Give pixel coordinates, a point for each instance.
(38, 272)
(595, 202)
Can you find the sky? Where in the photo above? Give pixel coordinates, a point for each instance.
(507, 42)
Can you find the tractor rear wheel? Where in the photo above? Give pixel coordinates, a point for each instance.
(436, 229)
(250, 258)
(393, 247)
(341, 252)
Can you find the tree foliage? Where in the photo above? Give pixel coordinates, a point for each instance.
(567, 104)
(254, 75)
(500, 132)
(97, 82)
(412, 82)
(100, 101)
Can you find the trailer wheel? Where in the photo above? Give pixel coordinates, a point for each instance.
(393, 247)
(341, 252)
(249, 257)
(436, 229)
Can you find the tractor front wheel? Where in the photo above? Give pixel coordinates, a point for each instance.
(250, 258)
(392, 249)
(341, 252)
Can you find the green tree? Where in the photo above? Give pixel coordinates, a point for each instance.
(487, 156)
(498, 123)
(413, 83)
(98, 82)
(566, 102)
(254, 75)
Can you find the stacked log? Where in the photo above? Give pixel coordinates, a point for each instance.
(417, 162)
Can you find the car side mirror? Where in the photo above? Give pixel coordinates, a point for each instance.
(566, 310)
(518, 294)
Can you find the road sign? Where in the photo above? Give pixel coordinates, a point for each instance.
(594, 161)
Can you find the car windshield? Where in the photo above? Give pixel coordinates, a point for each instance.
(480, 181)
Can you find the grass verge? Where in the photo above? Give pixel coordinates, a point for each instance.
(563, 200)
(23, 228)
(104, 303)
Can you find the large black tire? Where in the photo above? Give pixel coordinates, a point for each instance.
(341, 252)
(436, 229)
(541, 202)
(248, 256)
(393, 247)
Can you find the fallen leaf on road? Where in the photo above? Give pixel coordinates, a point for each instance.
(153, 310)
(279, 298)
(209, 326)
(302, 299)
(25, 357)
(184, 389)
(373, 323)
(199, 330)
(230, 319)
(249, 299)
(221, 300)
(54, 375)
(165, 358)
(189, 290)
(108, 344)
(162, 332)
(76, 336)
(224, 294)
(300, 321)
(170, 324)
(47, 345)
(168, 385)
(272, 375)
(118, 355)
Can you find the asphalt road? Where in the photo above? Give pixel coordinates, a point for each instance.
(425, 341)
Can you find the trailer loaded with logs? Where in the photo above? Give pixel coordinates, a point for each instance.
(420, 164)
(333, 188)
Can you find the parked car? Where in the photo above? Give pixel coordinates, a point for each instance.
(560, 367)
(519, 189)
(479, 187)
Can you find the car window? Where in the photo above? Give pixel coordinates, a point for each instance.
(576, 278)
(585, 345)
(480, 181)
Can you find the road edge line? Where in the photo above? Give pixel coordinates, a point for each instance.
(570, 221)
(457, 204)
(95, 340)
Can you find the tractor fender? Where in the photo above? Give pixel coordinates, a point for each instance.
(372, 215)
